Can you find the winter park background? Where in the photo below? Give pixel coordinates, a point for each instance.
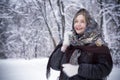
(30, 30)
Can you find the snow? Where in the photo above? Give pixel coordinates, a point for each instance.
(34, 69)
(115, 74)
(21, 69)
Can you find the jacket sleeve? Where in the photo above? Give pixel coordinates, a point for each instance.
(54, 60)
(99, 70)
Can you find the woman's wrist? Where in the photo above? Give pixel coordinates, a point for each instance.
(63, 48)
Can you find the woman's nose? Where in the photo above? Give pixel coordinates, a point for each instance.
(79, 25)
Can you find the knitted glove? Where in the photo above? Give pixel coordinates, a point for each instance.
(66, 41)
(70, 69)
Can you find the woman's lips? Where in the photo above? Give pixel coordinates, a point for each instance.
(78, 28)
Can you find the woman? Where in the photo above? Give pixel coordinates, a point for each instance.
(82, 55)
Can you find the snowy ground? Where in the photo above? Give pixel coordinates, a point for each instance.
(35, 69)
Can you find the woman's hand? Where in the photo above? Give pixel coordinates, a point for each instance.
(70, 69)
(66, 41)
(63, 48)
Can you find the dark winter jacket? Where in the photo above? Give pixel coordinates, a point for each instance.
(95, 62)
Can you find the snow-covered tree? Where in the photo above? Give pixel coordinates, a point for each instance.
(32, 28)
(110, 17)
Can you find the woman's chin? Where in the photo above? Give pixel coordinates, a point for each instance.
(79, 32)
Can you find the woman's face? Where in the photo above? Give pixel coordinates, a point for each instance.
(80, 24)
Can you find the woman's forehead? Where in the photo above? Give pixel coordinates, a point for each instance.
(80, 17)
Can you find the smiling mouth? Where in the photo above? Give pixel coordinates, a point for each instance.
(78, 28)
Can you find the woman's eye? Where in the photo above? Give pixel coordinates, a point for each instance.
(75, 21)
(82, 21)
